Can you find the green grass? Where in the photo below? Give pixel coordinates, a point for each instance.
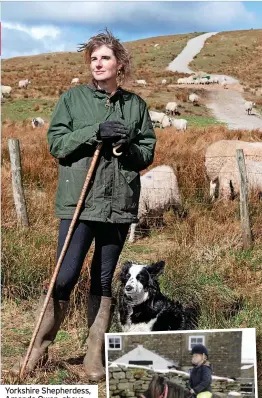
(59, 377)
(200, 121)
(26, 261)
(22, 109)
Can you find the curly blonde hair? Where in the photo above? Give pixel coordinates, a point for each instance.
(121, 53)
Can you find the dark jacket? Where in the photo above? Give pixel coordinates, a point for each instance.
(115, 186)
(200, 378)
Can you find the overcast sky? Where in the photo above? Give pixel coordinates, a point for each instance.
(37, 27)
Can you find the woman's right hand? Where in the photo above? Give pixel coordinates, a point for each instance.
(111, 130)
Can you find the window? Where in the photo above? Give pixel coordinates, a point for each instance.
(115, 343)
(144, 363)
(193, 340)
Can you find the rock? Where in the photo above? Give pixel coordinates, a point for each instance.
(112, 387)
(119, 375)
(129, 375)
(124, 386)
(128, 394)
(138, 383)
(113, 381)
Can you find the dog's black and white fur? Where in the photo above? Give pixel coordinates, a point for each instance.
(143, 308)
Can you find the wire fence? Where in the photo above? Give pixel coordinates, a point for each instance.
(179, 189)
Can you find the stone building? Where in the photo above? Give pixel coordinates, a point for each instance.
(224, 348)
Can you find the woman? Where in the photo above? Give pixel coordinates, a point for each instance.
(201, 375)
(85, 116)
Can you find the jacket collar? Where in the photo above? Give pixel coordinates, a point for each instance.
(101, 93)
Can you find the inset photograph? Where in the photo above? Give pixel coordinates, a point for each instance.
(201, 364)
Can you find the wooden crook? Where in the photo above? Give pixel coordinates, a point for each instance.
(115, 150)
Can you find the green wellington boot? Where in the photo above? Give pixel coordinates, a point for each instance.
(100, 313)
(54, 315)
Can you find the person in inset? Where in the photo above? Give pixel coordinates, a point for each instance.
(84, 116)
(201, 375)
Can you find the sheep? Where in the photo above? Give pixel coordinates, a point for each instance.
(197, 80)
(75, 80)
(172, 108)
(220, 151)
(194, 98)
(159, 117)
(6, 91)
(224, 83)
(227, 184)
(164, 81)
(142, 82)
(159, 193)
(179, 124)
(180, 80)
(203, 80)
(23, 83)
(248, 106)
(156, 45)
(37, 122)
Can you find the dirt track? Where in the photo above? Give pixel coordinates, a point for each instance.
(227, 105)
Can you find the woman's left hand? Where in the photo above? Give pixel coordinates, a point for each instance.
(124, 142)
(192, 391)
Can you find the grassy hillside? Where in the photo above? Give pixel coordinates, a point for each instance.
(237, 54)
(52, 73)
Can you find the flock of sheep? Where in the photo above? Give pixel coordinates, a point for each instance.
(172, 108)
(160, 190)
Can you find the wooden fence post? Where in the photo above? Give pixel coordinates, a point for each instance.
(244, 213)
(18, 192)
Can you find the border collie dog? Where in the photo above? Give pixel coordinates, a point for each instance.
(143, 308)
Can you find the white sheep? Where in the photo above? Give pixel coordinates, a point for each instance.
(218, 153)
(224, 83)
(227, 184)
(160, 118)
(37, 122)
(142, 82)
(203, 80)
(194, 98)
(164, 81)
(171, 108)
(248, 106)
(75, 80)
(159, 193)
(23, 83)
(179, 124)
(156, 45)
(6, 91)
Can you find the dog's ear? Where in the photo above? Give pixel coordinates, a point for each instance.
(124, 271)
(156, 269)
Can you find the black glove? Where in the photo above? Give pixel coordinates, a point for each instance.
(111, 130)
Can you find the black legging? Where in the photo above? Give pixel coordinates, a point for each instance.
(109, 242)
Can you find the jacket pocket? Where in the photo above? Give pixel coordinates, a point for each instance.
(71, 182)
(129, 190)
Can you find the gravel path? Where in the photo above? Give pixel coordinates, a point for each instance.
(227, 105)
(193, 47)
